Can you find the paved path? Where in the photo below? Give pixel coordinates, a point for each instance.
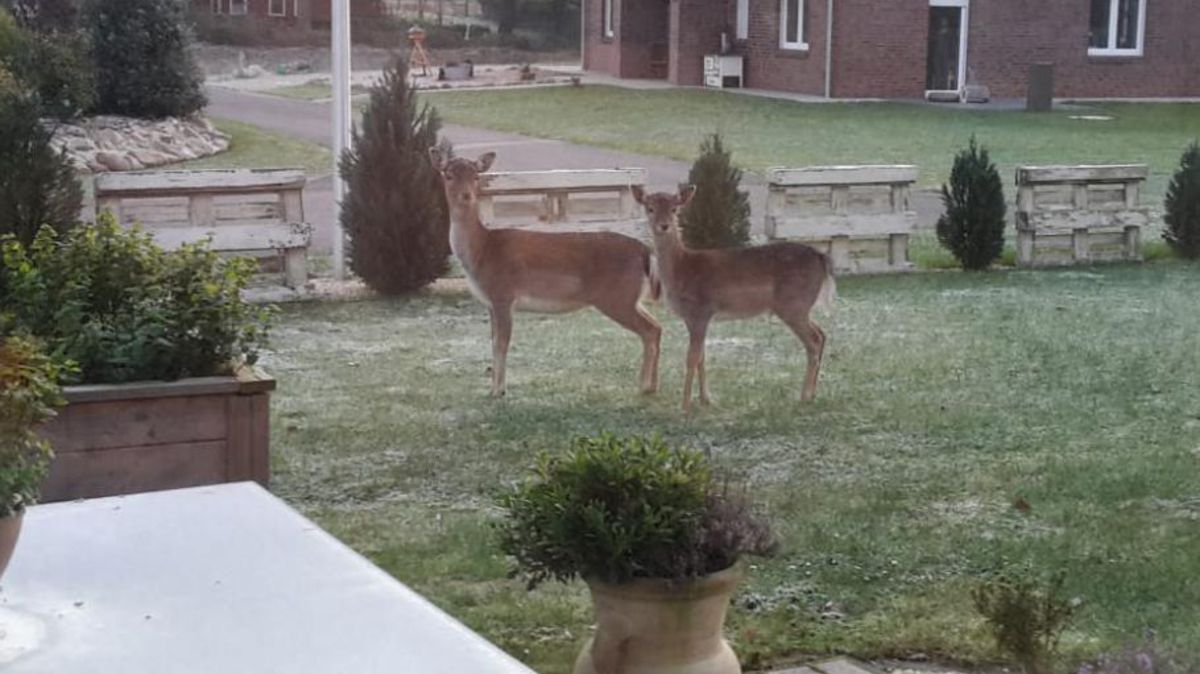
(309, 120)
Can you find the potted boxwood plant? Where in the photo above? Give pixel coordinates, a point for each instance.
(29, 394)
(656, 536)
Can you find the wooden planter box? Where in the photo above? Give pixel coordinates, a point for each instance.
(129, 438)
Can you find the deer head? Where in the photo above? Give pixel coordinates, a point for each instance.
(460, 177)
(662, 209)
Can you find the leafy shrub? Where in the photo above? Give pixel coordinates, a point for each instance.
(1183, 205)
(972, 227)
(395, 210)
(143, 66)
(719, 215)
(29, 394)
(1026, 616)
(615, 509)
(55, 65)
(37, 185)
(125, 310)
(44, 16)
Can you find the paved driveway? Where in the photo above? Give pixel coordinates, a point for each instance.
(311, 121)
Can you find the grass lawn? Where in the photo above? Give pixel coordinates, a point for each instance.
(253, 147)
(766, 132)
(945, 397)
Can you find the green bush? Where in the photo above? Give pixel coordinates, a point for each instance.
(1183, 206)
(29, 394)
(143, 65)
(55, 65)
(395, 211)
(124, 310)
(614, 509)
(972, 227)
(719, 215)
(37, 184)
(1026, 616)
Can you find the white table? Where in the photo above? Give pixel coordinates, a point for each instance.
(214, 580)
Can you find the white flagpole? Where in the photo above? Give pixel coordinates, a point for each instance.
(340, 25)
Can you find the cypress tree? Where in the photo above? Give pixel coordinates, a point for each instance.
(719, 215)
(1183, 206)
(972, 227)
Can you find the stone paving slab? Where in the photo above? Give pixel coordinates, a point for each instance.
(835, 666)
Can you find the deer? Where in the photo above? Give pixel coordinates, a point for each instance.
(787, 279)
(547, 272)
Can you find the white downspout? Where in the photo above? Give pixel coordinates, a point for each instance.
(829, 49)
(583, 35)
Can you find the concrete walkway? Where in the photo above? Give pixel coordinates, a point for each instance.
(311, 121)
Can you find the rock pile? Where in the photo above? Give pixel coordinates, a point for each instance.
(108, 143)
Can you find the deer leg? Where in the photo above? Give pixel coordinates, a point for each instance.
(635, 319)
(813, 338)
(695, 359)
(501, 335)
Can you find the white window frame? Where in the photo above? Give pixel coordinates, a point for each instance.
(799, 44)
(216, 6)
(1114, 7)
(243, 7)
(964, 33)
(606, 12)
(743, 20)
(271, 8)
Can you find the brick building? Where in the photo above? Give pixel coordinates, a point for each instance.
(273, 17)
(905, 48)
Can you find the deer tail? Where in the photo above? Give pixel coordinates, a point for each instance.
(828, 292)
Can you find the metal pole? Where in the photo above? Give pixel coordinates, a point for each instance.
(340, 25)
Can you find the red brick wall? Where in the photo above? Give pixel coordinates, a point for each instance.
(695, 30)
(643, 24)
(1007, 36)
(769, 67)
(600, 54)
(879, 48)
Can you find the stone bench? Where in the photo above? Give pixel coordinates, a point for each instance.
(1079, 214)
(859, 215)
(245, 212)
(593, 199)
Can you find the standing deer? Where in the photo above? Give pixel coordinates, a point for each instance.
(544, 271)
(787, 279)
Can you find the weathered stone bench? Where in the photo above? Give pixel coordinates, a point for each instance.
(1079, 214)
(245, 212)
(859, 215)
(562, 200)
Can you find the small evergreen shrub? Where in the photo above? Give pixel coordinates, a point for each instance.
(719, 215)
(972, 227)
(395, 213)
(143, 65)
(1026, 616)
(37, 184)
(110, 300)
(615, 509)
(1183, 206)
(29, 394)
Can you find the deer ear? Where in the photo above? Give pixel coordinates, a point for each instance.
(485, 161)
(686, 192)
(436, 158)
(639, 194)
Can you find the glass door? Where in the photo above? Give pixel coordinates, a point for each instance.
(946, 66)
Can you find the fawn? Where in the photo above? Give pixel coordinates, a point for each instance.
(544, 271)
(787, 279)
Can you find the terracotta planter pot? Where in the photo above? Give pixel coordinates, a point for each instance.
(653, 626)
(10, 529)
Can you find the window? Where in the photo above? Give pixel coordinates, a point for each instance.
(608, 17)
(237, 7)
(743, 19)
(216, 6)
(1118, 27)
(277, 7)
(792, 27)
